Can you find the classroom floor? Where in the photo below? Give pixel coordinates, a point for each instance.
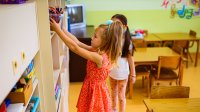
(191, 78)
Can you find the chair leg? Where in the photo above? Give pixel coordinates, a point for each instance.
(190, 56)
(149, 110)
(143, 81)
(148, 86)
(187, 64)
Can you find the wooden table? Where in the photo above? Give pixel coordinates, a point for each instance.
(173, 105)
(179, 36)
(148, 39)
(149, 55)
(152, 38)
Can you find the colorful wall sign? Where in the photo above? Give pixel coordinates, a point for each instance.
(183, 8)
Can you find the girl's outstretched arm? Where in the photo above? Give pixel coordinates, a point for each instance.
(76, 40)
(73, 46)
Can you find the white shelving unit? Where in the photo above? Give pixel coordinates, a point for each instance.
(25, 31)
(35, 83)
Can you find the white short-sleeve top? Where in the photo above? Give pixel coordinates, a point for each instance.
(121, 71)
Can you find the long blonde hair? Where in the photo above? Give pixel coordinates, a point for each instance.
(112, 40)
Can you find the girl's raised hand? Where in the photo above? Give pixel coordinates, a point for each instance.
(54, 26)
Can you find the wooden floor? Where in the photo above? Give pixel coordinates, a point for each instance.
(191, 78)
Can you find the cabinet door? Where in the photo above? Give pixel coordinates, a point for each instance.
(19, 35)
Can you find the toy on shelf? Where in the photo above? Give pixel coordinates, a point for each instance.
(55, 13)
(138, 34)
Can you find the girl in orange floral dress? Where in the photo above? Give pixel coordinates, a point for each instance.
(101, 55)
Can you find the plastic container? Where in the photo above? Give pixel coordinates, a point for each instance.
(36, 101)
(22, 97)
(3, 107)
(56, 17)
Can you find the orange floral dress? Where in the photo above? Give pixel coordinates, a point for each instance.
(94, 95)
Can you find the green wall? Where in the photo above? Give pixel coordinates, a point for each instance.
(153, 20)
(141, 14)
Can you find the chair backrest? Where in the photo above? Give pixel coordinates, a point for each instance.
(139, 43)
(182, 43)
(171, 62)
(192, 33)
(158, 92)
(177, 49)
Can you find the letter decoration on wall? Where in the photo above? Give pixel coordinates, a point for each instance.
(179, 1)
(197, 4)
(165, 3)
(189, 13)
(181, 13)
(196, 13)
(173, 10)
(184, 12)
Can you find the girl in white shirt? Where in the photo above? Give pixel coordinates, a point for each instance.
(125, 68)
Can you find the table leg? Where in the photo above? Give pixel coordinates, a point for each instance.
(197, 53)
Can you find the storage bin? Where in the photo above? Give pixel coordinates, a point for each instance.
(3, 107)
(12, 1)
(36, 101)
(22, 97)
(56, 17)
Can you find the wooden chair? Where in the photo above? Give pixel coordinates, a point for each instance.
(179, 50)
(186, 45)
(145, 32)
(141, 70)
(193, 34)
(170, 69)
(150, 44)
(138, 43)
(159, 92)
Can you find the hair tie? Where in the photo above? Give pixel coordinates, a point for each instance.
(109, 22)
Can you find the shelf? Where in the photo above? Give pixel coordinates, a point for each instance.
(15, 107)
(52, 33)
(35, 83)
(58, 99)
(19, 106)
(57, 72)
(61, 59)
(60, 104)
(44, 47)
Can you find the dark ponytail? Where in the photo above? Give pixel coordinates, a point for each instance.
(127, 36)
